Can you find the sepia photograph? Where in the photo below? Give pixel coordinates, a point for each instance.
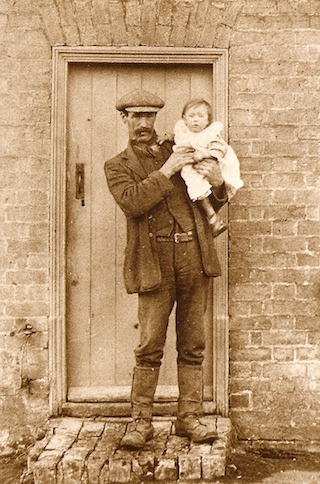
(160, 242)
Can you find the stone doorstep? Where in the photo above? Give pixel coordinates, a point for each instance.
(86, 451)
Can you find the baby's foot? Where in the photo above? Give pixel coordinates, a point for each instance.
(217, 225)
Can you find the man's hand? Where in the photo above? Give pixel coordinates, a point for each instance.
(200, 154)
(210, 169)
(176, 161)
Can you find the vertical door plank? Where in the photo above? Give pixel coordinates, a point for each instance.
(201, 83)
(153, 80)
(78, 230)
(177, 93)
(103, 237)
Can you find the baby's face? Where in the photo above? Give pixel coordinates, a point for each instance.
(196, 118)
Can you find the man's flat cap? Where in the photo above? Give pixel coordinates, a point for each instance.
(140, 101)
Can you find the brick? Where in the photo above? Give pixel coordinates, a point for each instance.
(282, 387)
(71, 467)
(285, 370)
(62, 441)
(223, 36)
(283, 353)
(314, 336)
(149, 21)
(143, 466)
(283, 243)
(95, 463)
(251, 354)
(45, 470)
(304, 292)
(105, 474)
(53, 28)
(255, 338)
(307, 37)
(166, 470)
(224, 425)
(112, 435)
(35, 452)
(284, 337)
(119, 470)
(137, 472)
(179, 23)
(240, 400)
(27, 309)
(91, 429)
(313, 370)
(252, 291)
(189, 467)
(213, 466)
(27, 246)
(308, 260)
(239, 369)
(118, 23)
(162, 35)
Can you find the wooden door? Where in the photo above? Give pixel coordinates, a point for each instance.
(102, 329)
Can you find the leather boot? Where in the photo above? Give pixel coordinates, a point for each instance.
(144, 384)
(189, 422)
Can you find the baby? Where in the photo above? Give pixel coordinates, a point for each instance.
(197, 131)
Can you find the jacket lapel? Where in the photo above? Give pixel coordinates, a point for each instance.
(132, 161)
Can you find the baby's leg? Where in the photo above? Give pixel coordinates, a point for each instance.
(216, 223)
(207, 207)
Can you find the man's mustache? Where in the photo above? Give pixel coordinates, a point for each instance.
(139, 131)
(143, 130)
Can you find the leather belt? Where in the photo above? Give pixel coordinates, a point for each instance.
(178, 237)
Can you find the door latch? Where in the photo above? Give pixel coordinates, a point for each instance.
(80, 182)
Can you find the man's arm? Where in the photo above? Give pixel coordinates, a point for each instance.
(138, 197)
(210, 169)
(135, 197)
(176, 161)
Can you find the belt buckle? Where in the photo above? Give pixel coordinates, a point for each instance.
(182, 237)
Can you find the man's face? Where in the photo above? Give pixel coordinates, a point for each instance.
(140, 126)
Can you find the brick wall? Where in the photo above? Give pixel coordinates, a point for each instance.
(274, 231)
(274, 245)
(24, 194)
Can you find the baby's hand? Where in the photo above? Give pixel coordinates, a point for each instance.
(165, 137)
(200, 154)
(218, 149)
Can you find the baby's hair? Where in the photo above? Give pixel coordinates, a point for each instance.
(198, 101)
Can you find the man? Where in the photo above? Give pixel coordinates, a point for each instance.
(170, 256)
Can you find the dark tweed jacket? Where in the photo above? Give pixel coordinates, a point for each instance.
(136, 195)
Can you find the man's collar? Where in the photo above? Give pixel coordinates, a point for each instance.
(151, 148)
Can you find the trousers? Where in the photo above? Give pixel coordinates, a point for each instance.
(183, 283)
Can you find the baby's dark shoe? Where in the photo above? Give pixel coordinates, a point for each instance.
(217, 225)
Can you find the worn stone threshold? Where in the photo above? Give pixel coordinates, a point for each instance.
(86, 451)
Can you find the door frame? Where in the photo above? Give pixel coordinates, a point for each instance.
(62, 57)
